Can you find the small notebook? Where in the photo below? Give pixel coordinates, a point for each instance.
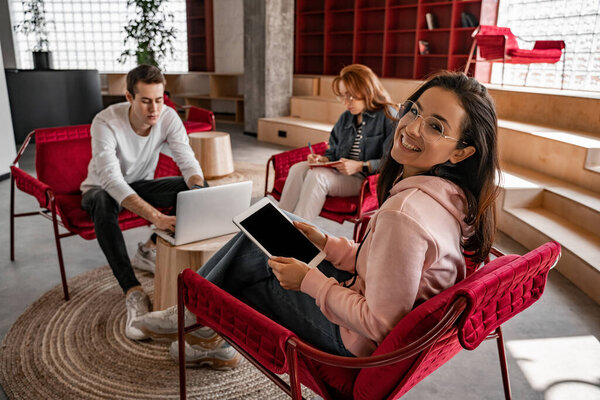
(329, 164)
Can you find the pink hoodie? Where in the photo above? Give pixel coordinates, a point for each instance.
(412, 253)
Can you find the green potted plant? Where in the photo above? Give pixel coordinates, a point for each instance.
(35, 23)
(152, 40)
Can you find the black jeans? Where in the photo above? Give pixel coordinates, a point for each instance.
(104, 211)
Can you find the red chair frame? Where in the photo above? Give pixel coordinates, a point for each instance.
(498, 44)
(460, 317)
(365, 202)
(54, 205)
(196, 119)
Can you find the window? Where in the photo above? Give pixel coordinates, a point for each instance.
(88, 34)
(577, 22)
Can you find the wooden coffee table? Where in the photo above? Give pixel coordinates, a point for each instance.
(213, 151)
(171, 260)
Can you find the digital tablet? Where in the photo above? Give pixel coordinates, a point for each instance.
(275, 234)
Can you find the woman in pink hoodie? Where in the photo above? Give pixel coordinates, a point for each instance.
(436, 190)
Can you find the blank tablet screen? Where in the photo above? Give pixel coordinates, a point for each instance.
(277, 234)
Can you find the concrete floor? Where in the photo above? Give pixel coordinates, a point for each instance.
(552, 347)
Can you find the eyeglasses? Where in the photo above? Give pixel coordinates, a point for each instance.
(345, 98)
(432, 131)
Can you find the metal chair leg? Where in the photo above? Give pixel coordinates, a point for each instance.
(181, 337)
(292, 359)
(503, 365)
(12, 218)
(526, 74)
(61, 262)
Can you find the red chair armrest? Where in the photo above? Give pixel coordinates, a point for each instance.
(453, 313)
(549, 44)
(368, 188)
(262, 338)
(31, 185)
(198, 114)
(283, 161)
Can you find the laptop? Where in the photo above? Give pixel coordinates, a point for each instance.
(208, 212)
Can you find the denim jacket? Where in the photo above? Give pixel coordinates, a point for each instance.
(377, 133)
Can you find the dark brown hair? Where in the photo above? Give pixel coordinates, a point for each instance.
(476, 175)
(144, 73)
(362, 83)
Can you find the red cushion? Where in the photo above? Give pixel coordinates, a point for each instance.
(77, 220)
(341, 205)
(193, 126)
(522, 56)
(278, 185)
(62, 164)
(339, 381)
(410, 328)
(169, 102)
(166, 166)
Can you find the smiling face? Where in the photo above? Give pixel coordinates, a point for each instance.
(355, 106)
(418, 155)
(146, 105)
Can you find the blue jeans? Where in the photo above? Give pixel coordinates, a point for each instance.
(240, 268)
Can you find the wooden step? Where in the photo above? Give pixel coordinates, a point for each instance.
(526, 188)
(292, 132)
(534, 208)
(316, 108)
(580, 261)
(569, 156)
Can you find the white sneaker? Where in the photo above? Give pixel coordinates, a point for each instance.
(162, 326)
(145, 259)
(223, 358)
(137, 304)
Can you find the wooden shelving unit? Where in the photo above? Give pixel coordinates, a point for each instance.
(194, 88)
(200, 35)
(385, 35)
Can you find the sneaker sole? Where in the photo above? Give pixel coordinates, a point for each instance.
(216, 363)
(209, 344)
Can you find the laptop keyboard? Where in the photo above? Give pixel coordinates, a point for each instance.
(172, 234)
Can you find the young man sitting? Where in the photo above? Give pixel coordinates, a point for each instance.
(126, 141)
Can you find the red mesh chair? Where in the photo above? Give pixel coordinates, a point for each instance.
(197, 120)
(62, 156)
(426, 338)
(497, 44)
(337, 209)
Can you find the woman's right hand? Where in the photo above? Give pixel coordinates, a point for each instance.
(315, 235)
(316, 158)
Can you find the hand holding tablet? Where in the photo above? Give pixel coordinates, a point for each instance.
(275, 234)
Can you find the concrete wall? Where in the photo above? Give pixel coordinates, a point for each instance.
(268, 59)
(6, 36)
(228, 16)
(7, 138)
(279, 56)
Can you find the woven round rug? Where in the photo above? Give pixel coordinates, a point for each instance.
(77, 349)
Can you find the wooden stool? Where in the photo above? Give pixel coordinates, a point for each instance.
(171, 260)
(213, 151)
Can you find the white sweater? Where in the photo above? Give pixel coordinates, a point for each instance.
(120, 156)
